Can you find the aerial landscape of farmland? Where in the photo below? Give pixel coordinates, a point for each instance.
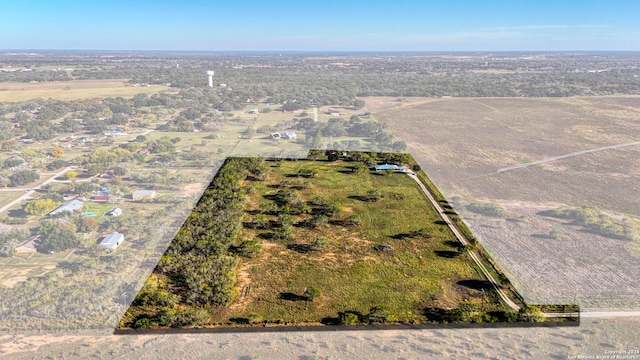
(107, 157)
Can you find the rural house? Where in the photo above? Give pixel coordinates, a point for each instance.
(100, 196)
(390, 167)
(74, 205)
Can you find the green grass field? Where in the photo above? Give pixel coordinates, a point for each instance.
(8, 196)
(423, 274)
(97, 208)
(351, 275)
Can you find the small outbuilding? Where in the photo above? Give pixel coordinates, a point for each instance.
(288, 135)
(100, 196)
(141, 194)
(115, 212)
(112, 241)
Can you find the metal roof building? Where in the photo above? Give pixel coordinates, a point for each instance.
(139, 194)
(390, 167)
(73, 205)
(112, 241)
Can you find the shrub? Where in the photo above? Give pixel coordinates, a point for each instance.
(166, 317)
(487, 209)
(352, 220)
(530, 314)
(308, 173)
(192, 317)
(155, 297)
(349, 318)
(255, 318)
(312, 293)
(143, 323)
(55, 165)
(319, 244)
(283, 233)
(380, 314)
(119, 171)
(373, 195)
(250, 248)
(317, 221)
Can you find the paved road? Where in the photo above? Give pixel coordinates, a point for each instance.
(33, 190)
(463, 240)
(596, 314)
(609, 314)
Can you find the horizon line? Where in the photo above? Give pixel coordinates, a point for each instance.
(320, 50)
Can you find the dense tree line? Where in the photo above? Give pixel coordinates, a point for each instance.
(198, 259)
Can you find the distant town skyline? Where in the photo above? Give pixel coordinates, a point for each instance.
(347, 25)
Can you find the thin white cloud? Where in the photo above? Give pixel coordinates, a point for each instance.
(546, 26)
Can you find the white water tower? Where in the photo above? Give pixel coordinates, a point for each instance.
(210, 75)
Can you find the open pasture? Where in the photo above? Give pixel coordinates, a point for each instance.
(420, 272)
(74, 89)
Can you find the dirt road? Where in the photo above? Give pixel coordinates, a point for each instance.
(32, 190)
(567, 155)
(463, 240)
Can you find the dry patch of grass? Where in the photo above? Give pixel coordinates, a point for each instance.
(74, 89)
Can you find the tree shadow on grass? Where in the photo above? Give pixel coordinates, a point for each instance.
(402, 236)
(359, 197)
(447, 254)
(453, 243)
(17, 213)
(239, 320)
(435, 314)
(267, 235)
(289, 296)
(476, 284)
(300, 248)
(330, 320)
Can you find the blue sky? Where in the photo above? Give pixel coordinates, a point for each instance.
(400, 25)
